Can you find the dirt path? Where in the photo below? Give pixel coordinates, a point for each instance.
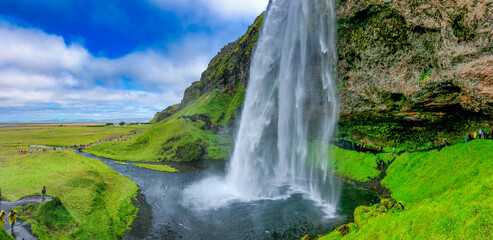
(22, 230)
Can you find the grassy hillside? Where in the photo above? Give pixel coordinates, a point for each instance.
(187, 135)
(447, 194)
(97, 199)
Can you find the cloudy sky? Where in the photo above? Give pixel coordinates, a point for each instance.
(112, 59)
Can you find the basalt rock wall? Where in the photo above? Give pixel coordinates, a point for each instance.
(414, 70)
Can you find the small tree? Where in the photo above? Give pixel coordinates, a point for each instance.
(122, 124)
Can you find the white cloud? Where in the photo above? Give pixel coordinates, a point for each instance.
(231, 9)
(36, 67)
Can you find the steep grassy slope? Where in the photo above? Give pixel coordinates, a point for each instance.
(202, 125)
(447, 195)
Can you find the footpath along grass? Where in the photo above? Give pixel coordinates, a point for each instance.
(448, 195)
(97, 198)
(54, 135)
(162, 168)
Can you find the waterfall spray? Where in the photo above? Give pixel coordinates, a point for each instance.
(290, 109)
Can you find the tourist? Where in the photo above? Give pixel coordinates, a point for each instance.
(12, 219)
(475, 135)
(43, 192)
(2, 218)
(465, 139)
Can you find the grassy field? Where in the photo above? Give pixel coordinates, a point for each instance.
(54, 135)
(96, 201)
(162, 168)
(448, 195)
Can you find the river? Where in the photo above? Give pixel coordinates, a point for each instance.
(165, 216)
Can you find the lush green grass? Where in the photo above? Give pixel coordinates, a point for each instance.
(97, 198)
(448, 195)
(4, 235)
(179, 139)
(121, 163)
(53, 135)
(355, 165)
(162, 168)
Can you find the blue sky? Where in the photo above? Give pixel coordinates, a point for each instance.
(112, 59)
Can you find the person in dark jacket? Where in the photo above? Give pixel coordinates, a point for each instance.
(43, 192)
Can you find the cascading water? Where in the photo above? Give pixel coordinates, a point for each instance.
(290, 112)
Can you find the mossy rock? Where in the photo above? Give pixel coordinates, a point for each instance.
(190, 151)
(335, 235)
(361, 215)
(347, 228)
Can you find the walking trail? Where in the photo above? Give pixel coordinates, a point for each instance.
(22, 230)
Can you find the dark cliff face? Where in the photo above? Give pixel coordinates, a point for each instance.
(409, 70)
(414, 70)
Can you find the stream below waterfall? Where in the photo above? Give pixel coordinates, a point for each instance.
(164, 215)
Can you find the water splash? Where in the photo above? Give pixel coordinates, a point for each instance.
(289, 115)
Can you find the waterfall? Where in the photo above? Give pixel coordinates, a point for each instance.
(290, 110)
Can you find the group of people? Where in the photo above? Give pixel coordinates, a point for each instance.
(12, 218)
(479, 134)
(34, 150)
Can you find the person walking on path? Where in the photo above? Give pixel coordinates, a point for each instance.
(2, 218)
(12, 219)
(43, 192)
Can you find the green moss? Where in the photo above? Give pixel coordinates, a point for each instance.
(425, 76)
(162, 168)
(121, 163)
(460, 30)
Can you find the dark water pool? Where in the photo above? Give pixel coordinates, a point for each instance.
(164, 215)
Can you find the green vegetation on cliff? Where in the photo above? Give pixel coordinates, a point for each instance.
(447, 195)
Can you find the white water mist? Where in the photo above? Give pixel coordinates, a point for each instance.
(290, 112)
